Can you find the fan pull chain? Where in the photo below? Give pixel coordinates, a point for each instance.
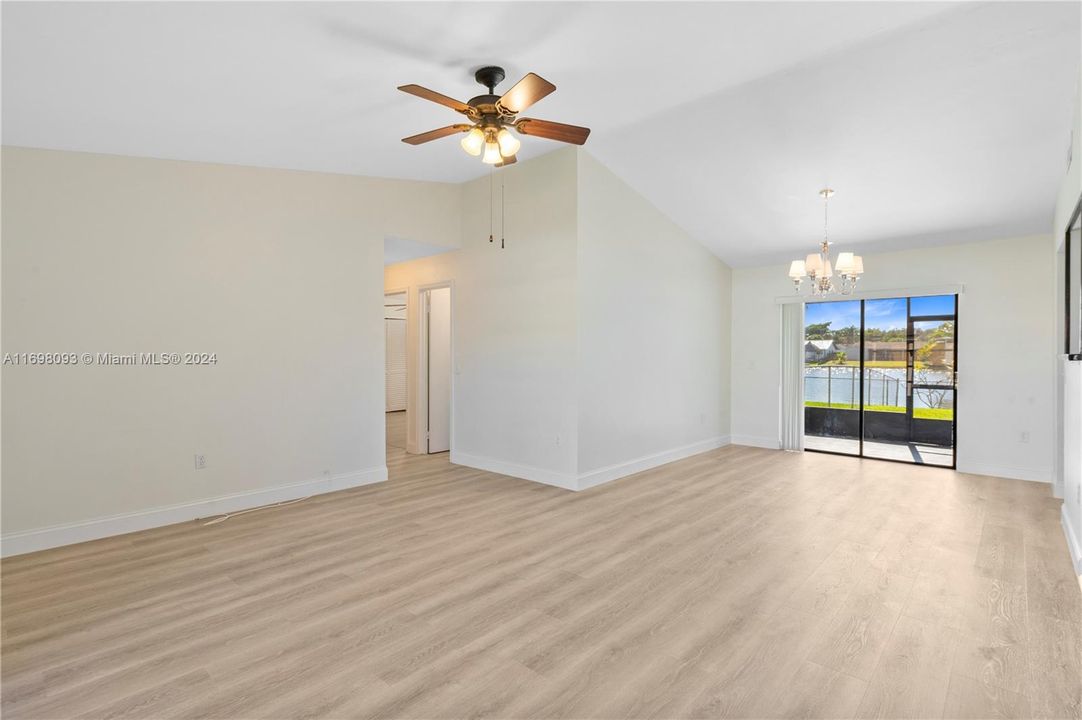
(491, 203)
(503, 213)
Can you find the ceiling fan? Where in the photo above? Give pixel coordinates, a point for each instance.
(492, 117)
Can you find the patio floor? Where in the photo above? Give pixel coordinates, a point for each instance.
(908, 452)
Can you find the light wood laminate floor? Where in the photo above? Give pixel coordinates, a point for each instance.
(738, 583)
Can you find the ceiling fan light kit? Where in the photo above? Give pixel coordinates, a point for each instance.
(817, 267)
(492, 154)
(474, 141)
(492, 117)
(509, 144)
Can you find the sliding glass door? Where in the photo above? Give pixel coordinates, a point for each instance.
(931, 352)
(832, 399)
(899, 358)
(885, 429)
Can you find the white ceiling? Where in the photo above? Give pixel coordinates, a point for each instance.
(935, 122)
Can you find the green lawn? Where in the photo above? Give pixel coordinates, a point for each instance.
(920, 413)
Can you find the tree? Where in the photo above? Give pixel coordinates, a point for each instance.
(930, 360)
(818, 331)
(873, 334)
(847, 335)
(840, 358)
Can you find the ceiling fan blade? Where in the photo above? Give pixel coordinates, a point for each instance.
(425, 93)
(553, 130)
(437, 134)
(525, 93)
(507, 161)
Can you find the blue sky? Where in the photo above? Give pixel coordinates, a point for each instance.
(933, 305)
(839, 314)
(884, 314)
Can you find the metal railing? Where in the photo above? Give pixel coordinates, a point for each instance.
(838, 384)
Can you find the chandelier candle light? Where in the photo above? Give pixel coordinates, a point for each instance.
(818, 268)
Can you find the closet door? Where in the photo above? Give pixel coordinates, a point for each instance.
(439, 370)
(396, 364)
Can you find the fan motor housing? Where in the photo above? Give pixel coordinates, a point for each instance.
(486, 104)
(490, 76)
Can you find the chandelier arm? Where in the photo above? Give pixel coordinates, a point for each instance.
(821, 282)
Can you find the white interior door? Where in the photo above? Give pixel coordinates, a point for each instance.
(396, 364)
(439, 370)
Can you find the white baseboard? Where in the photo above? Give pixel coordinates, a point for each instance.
(589, 479)
(757, 441)
(619, 470)
(524, 472)
(26, 541)
(1074, 539)
(1043, 475)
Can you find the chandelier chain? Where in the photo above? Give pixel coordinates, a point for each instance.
(826, 200)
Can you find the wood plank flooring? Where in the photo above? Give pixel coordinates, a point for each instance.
(738, 583)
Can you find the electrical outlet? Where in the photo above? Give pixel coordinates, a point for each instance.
(1024, 436)
(200, 462)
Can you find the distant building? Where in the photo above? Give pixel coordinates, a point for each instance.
(884, 350)
(819, 350)
(942, 354)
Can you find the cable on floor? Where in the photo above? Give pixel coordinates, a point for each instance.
(223, 518)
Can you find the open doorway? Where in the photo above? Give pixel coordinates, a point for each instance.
(436, 368)
(395, 323)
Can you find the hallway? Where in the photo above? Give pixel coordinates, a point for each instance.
(396, 432)
(401, 465)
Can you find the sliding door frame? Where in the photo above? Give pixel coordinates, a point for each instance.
(910, 385)
(911, 368)
(860, 407)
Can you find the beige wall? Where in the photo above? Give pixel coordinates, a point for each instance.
(1070, 489)
(1005, 330)
(595, 345)
(279, 273)
(653, 328)
(513, 322)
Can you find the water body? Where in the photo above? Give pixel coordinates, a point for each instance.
(882, 386)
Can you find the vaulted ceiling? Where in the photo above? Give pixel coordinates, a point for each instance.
(935, 122)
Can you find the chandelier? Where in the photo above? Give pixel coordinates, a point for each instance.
(826, 278)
